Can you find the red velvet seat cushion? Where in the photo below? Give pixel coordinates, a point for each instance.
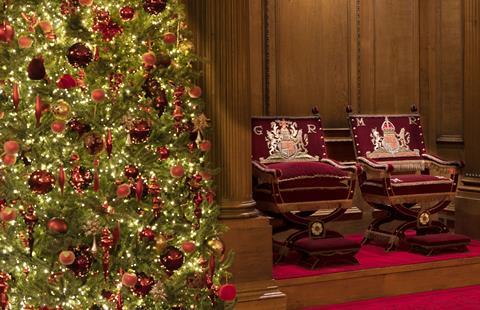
(328, 244)
(409, 184)
(308, 181)
(439, 239)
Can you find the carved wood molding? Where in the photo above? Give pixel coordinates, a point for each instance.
(451, 139)
(472, 86)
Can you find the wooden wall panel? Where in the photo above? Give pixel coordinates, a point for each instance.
(310, 58)
(390, 57)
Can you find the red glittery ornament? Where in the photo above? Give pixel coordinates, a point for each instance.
(41, 182)
(131, 172)
(79, 55)
(83, 261)
(147, 234)
(78, 126)
(81, 178)
(127, 13)
(93, 142)
(160, 102)
(154, 6)
(172, 258)
(140, 131)
(163, 152)
(6, 32)
(144, 284)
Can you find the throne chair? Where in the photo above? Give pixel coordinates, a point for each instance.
(293, 179)
(402, 179)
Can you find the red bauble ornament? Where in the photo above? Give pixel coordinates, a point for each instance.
(57, 226)
(66, 81)
(93, 142)
(123, 191)
(227, 292)
(205, 146)
(98, 95)
(85, 2)
(8, 214)
(9, 159)
(147, 234)
(11, 147)
(25, 42)
(169, 38)
(80, 178)
(163, 152)
(195, 92)
(83, 261)
(188, 247)
(41, 182)
(46, 26)
(66, 258)
(177, 171)
(154, 6)
(6, 32)
(36, 69)
(172, 259)
(131, 172)
(129, 279)
(140, 131)
(144, 284)
(57, 126)
(79, 55)
(127, 13)
(149, 59)
(78, 126)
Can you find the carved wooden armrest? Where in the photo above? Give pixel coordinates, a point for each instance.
(263, 173)
(352, 167)
(443, 163)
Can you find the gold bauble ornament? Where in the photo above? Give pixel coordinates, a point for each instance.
(161, 243)
(61, 110)
(217, 246)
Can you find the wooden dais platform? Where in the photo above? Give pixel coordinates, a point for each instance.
(379, 274)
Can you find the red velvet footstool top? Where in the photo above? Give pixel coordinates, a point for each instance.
(438, 239)
(325, 244)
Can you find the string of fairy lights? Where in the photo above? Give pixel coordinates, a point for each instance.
(52, 150)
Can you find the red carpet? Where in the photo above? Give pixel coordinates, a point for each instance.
(465, 298)
(371, 256)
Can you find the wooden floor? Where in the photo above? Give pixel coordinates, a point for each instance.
(371, 283)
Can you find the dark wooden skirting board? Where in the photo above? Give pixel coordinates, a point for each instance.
(344, 287)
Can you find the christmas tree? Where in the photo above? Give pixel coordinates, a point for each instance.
(106, 192)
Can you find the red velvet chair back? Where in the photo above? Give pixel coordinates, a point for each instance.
(383, 137)
(277, 139)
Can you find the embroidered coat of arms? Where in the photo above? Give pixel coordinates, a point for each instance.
(391, 143)
(286, 142)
